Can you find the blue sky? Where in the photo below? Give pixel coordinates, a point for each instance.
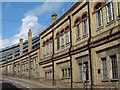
(19, 17)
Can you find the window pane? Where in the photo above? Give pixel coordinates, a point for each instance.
(109, 7)
(84, 24)
(86, 71)
(114, 67)
(104, 67)
(62, 39)
(80, 69)
(77, 29)
(58, 42)
(119, 6)
(99, 15)
(67, 36)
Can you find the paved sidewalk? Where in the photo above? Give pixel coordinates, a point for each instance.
(32, 83)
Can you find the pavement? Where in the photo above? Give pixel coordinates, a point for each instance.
(7, 85)
(20, 83)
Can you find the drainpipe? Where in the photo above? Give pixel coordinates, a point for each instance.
(53, 81)
(89, 41)
(70, 53)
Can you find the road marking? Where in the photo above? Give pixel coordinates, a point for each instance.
(23, 85)
(27, 87)
(17, 82)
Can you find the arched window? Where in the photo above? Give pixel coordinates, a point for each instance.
(99, 15)
(51, 45)
(84, 25)
(62, 38)
(109, 10)
(58, 41)
(77, 23)
(67, 35)
(47, 47)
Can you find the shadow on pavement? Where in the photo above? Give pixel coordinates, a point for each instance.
(9, 86)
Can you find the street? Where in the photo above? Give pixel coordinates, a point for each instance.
(7, 83)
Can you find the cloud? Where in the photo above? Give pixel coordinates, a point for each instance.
(30, 21)
(46, 7)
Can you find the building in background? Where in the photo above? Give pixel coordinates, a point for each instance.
(81, 49)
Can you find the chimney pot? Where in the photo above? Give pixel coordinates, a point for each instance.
(54, 15)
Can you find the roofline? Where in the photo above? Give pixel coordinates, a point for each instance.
(59, 19)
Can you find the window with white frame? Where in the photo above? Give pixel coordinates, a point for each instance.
(99, 15)
(77, 29)
(109, 10)
(114, 67)
(58, 41)
(104, 69)
(119, 7)
(67, 35)
(84, 25)
(62, 38)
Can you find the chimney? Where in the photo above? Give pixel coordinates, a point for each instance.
(29, 40)
(54, 15)
(21, 46)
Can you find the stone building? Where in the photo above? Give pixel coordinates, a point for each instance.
(81, 49)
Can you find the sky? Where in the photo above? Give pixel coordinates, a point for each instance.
(19, 17)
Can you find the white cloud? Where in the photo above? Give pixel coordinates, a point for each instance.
(46, 7)
(30, 21)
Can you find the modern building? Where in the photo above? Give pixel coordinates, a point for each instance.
(81, 49)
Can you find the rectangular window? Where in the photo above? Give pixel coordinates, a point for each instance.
(104, 68)
(114, 67)
(86, 68)
(48, 74)
(80, 70)
(66, 73)
(58, 42)
(63, 73)
(110, 11)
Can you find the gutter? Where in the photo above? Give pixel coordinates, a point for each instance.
(53, 81)
(89, 48)
(69, 17)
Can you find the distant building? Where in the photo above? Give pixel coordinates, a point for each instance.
(81, 49)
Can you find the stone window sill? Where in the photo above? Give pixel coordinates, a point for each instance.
(105, 80)
(65, 78)
(98, 29)
(78, 39)
(109, 23)
(84, 36)
(114, 80)
(118, 18)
